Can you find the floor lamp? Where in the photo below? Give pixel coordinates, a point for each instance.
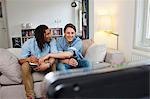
(117, 39)
(105, 24)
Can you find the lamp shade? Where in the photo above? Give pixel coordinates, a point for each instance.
(105, 23)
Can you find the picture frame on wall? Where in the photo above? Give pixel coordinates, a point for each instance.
(16, 42)
(56, 31)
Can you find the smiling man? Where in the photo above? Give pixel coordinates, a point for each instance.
(70, 49)
(32, 50)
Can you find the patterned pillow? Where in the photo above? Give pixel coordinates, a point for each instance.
(9, 66)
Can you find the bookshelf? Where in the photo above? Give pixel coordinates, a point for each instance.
(27, 34)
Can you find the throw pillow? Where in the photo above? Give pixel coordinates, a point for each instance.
(9, 66)
(96, 53)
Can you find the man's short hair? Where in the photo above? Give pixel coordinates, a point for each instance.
(71, 26)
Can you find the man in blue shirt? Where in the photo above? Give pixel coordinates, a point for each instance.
(32, 50)
(70, 49)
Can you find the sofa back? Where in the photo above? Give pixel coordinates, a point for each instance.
(15, 51)
(86, 44)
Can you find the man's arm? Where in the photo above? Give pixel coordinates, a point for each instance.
(71, 62)
(45, 65)
(51, 61)
(65, 61)
(21, 61)
(31, 59)
(26, 52)
(60, 55)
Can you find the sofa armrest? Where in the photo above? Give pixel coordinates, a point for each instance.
(114, 57)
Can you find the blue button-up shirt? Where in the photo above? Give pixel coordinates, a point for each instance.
(75, 46)
(30, 47)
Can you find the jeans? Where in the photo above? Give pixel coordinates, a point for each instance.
(82, 63)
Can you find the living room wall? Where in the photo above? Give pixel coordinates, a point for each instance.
(123, 12)
(33, 11)
(37, 12)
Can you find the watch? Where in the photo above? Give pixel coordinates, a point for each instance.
(49, 64)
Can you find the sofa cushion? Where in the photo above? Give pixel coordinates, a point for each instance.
(100, 65)
(114, 57)
(37, 76)
(12, 92)
(9, 66)
(18, 92)
(96, 53)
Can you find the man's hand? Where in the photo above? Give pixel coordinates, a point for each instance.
(42, 59)
(33, 59)
(42, 67)
(73, 62)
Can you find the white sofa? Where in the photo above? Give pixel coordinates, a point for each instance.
(10, 89)
(13, 88)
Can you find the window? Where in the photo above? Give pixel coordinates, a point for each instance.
(142, 25)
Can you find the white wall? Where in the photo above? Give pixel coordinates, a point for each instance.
(123, 15)
(91, 19)
(37, 12)
(33, 11)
